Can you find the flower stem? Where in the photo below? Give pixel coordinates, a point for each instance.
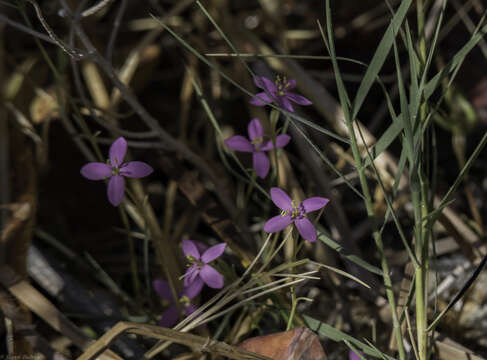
(273, 119)
(133, 258)
(377, 238)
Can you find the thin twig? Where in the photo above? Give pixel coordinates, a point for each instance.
(115, 29)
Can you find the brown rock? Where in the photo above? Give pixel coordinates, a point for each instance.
(296, 344)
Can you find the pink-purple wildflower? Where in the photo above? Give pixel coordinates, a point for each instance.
(257, 146)
(200, 273)
(171, 315)
(278, 91)
(353, 356)
(115, 169)
(292, 213)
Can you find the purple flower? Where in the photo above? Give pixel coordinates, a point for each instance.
(353, 356)
(257, 146)
(200, 273)
(116, 169)
(293, 213)
(277, 91)
(171, 315)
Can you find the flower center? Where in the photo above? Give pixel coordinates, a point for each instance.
(257, 142)
(185, 301)
(282, 84)
(296, 213)
(193, 260)
(115, 168)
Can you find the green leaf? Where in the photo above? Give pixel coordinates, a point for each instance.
(380, 56)
(353, 258)
(336, 335)
(455, 62)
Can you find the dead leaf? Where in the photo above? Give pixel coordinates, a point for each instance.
(296, 344)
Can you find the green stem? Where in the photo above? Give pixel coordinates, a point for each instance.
(133, 258)
(420, 202)
(294, 303)
(378, 240)
(273, 119)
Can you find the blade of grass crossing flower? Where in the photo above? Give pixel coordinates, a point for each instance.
(241, 88)
(380, 56)
(218, 130)
(339, 336)
(354, 349)
(353, 258)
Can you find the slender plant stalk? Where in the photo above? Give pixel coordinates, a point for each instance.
(133, 258)
(420, 203)
(363, 183)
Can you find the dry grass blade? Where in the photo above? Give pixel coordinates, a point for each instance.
(42, 307)
(197, 343)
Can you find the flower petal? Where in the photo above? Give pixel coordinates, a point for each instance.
(163, 289)
(298, 99)
(116, 188)
(117, 151)
(191, 308)
(200, 246)
(169, 317)
(281, 141)
(285, 103)
(277, 223)
(255, 129)
(96, 171)
(265, 84)
(261, 99)
(291, 84)
(281, 199)
(191, 275)
(314, 203)
(190, 249)
(135, 169)
(211, 277)
(239, 143)
(193, 289)
(213, 253)
(261, 163)
(352, 355)
(306, 229)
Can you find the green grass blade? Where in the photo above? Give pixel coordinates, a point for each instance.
(353, 258)
(380, 56)
(336, 335)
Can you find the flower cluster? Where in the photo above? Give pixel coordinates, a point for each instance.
(115, 170)
(278, 92)
(198, 274)
(171, 315)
